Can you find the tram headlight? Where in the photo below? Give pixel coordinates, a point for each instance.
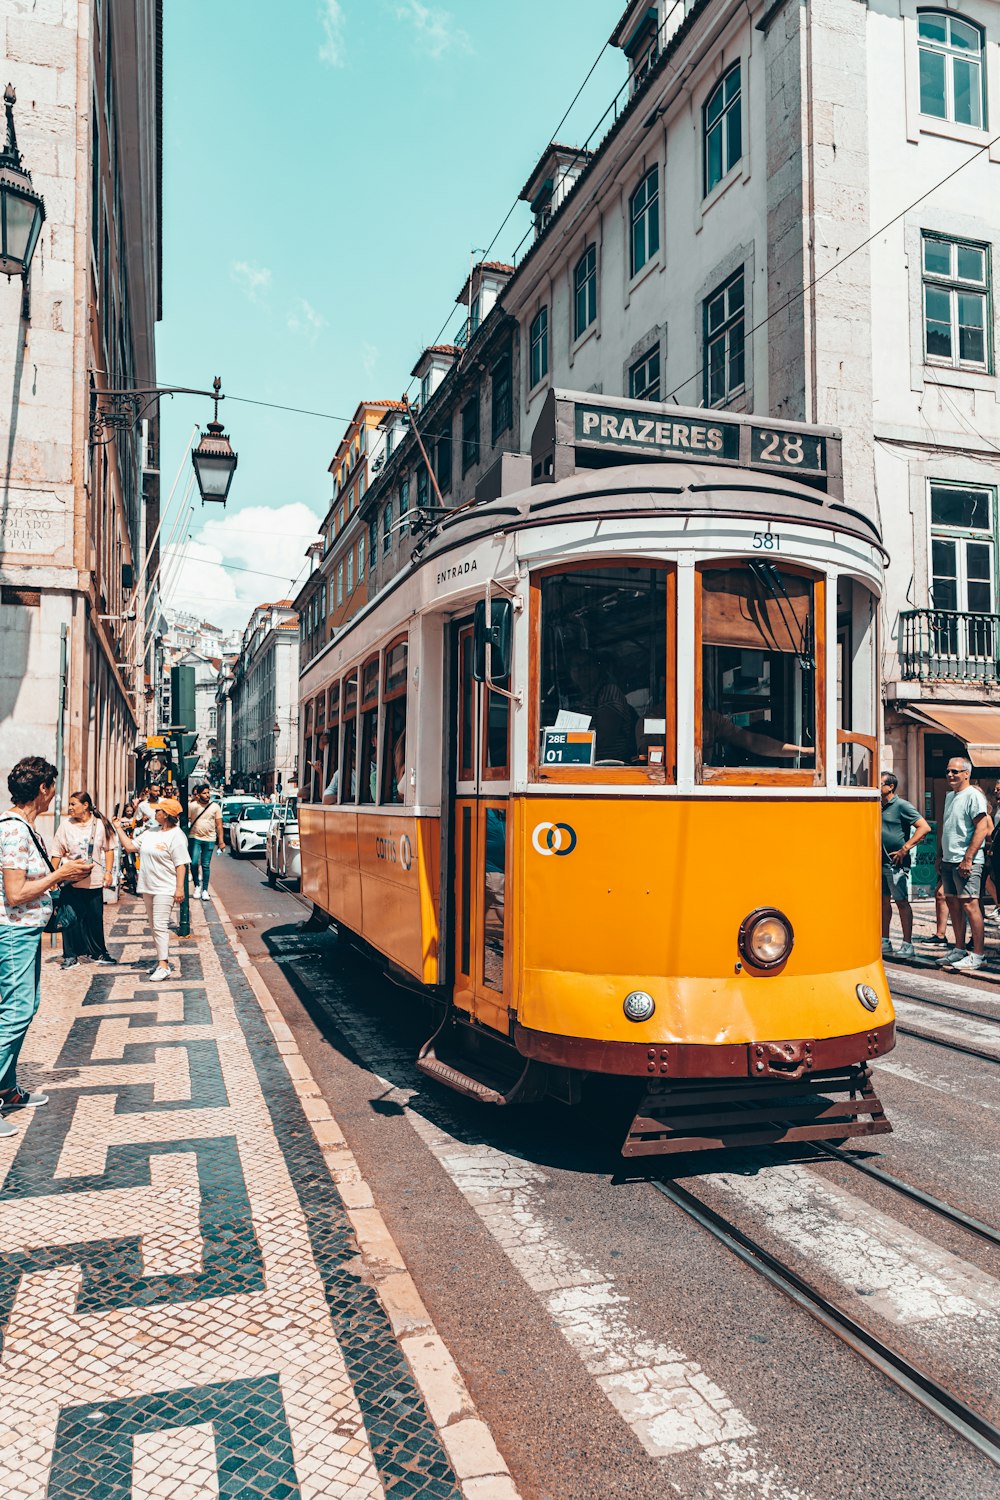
(766, 938)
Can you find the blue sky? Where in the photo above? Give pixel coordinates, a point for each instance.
(326, 173)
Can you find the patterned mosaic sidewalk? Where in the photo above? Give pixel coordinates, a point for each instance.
(198, 1296)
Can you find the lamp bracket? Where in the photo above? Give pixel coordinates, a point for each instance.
(121, 410)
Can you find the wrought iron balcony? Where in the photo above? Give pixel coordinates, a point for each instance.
(949, 645)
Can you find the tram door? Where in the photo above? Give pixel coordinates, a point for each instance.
(481, 805)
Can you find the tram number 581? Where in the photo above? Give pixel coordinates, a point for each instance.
(766, 541)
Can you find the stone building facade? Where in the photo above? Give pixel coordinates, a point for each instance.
(79, 500)
(263, 714)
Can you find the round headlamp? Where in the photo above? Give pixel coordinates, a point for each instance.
(765, 938)
(638, 1005)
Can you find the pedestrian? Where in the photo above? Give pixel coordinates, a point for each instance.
(25, 909)
(129, 870)
(161, 876)
(86, 834)
(964, 829)
(145, 813)
(205, 835)
(902, 830)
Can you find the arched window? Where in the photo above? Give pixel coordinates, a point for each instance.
(585, 291)
(952, 81)
(644, 218)
(722, 126)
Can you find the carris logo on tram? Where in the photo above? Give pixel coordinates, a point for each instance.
(553, 838)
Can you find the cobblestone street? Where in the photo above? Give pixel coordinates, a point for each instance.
(197, 1295)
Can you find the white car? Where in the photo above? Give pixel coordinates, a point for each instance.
(283, 861)
(248, 830)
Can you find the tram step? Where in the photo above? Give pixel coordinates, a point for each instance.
(706, 1117)
(480, 1066)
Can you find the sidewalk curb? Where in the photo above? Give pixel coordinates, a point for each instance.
(479, 1467)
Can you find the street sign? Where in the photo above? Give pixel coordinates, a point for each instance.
(568, 747)
(155, 742)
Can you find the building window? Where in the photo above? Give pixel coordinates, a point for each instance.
(387, 526)
(956, 280)
(585, 291)
(372, 541)
(503, 413)
(389, 437)
(644, 377)
(423, 487)
(361, 560)
(340, 582)
(350, 571)
(951, 68)
(425, 388)
(404, 498)
(538, 341)
(644, 216)
(725, 375)
(963, 569)
(342, 518)
(443, 457)
(722, 128)
(470, 433)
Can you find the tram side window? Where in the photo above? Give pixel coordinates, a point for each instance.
(603, 667)
(857, 684)
(332, 756)
(368, 755)
(394, 733)
(309, 779)
(758, 667)
(347, 776)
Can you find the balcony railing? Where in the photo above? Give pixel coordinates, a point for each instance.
(949, 644)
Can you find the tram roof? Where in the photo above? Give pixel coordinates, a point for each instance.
(633, 491)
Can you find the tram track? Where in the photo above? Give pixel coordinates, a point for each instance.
(918, 1195)
(902, 1371)
(952, 1046)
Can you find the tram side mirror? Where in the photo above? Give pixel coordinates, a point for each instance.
(496, 635)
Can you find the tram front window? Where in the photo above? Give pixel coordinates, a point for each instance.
(758, 667)
(603, 661)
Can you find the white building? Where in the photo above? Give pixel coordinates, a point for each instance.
(263, 699)
(79, 485)
(795, 212)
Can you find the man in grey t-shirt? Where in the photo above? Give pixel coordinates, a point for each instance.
(964, 829)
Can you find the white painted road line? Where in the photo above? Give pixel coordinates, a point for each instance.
(959, 1087)
(664, 1397)
(939, 987)
(953, 1028)
(881, 1265)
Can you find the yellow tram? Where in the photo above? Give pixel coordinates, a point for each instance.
(598, 771)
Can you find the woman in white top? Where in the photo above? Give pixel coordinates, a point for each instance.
(165, 856)
(86, 834)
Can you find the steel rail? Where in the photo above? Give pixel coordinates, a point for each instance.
(950, 1409)
(958, 1010)
(956, 1215)
(941, 1041)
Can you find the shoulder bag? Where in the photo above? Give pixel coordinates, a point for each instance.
(63, 915)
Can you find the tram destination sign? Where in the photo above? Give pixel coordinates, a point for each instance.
(577, 430)
(701, 436)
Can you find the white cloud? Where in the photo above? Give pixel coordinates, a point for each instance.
(369, 359)
(251, 279)
(306, 320)
(435, 31)
(331, 18)
(264, 546)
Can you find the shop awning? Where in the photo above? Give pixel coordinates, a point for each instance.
(978, 728)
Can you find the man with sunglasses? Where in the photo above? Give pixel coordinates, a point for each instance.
(964, 829)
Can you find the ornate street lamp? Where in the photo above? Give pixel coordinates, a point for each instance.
(214, 460)
(22, 210)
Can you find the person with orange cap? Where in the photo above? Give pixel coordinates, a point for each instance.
(165, 856)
